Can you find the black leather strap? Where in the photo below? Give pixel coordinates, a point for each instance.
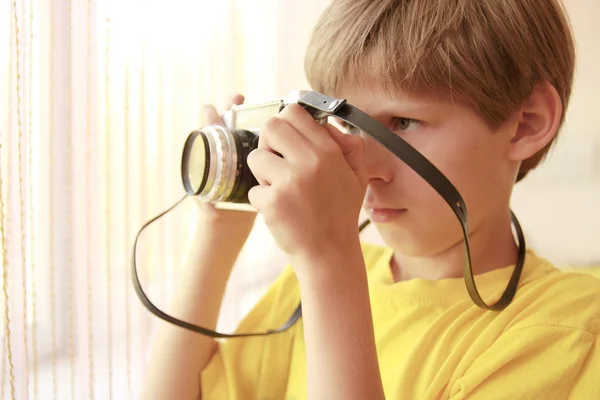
(192, 327)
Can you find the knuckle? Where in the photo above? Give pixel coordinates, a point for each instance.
(294, 111)
(271, 126)
(294, 108)
(255, 159)
(312, 159)
(272, 123)
(251, 158)
(313, 163)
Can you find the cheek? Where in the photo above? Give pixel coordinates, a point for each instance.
(430, 226)
(470, 165)
(428, 206)
(451, 158)
(475, 168)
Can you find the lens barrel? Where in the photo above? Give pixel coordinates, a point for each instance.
(214, 167)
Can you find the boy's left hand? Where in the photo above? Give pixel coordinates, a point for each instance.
(312, 181)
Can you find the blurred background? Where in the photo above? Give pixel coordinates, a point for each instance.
(96, 100)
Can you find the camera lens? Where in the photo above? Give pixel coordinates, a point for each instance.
(195, 163)
(213, 164)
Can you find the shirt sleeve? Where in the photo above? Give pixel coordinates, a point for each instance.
(538, 362)
(255, 367)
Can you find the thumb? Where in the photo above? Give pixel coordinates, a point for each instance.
(353, 149)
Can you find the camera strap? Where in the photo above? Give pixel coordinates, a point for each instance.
(321, 107)
(192, 327)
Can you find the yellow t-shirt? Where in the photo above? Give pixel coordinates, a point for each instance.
(432, 341)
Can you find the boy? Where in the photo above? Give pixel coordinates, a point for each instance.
(481, 89)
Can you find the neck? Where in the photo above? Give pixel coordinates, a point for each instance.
(492, 247)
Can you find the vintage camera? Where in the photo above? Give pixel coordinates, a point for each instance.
(213, 163)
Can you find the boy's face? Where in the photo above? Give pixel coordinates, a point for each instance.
(409, 214)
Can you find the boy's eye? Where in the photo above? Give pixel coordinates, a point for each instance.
(398, 125)
(405, 124)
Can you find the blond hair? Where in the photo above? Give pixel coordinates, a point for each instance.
(490, 53)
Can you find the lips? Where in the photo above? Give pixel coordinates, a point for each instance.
(383, 215)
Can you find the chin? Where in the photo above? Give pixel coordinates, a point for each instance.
(401, 240)
(412, 242)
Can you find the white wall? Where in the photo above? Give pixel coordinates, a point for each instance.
(559, 204)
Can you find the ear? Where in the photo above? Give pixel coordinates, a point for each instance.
(539, 120)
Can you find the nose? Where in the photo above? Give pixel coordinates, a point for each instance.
(380, 165)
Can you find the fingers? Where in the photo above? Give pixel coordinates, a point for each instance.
(210, 116)
(353, 149)
(236, 100)
(260, 197)
(303, 122)
(268, 168)
(278, 136)
(338, 136)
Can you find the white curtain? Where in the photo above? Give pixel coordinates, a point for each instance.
(97, 98)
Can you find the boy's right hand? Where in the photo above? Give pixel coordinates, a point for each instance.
(235, 221)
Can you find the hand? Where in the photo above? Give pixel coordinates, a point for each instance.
(230, 219)
(312, 181)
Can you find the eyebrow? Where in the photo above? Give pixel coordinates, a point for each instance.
(416, 111)
(405, 111)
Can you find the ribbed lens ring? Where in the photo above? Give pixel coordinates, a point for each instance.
(194, 163)
(214, 164)
(221, 168)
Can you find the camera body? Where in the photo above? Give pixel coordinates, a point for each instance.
(213, 165)
(250, 117)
